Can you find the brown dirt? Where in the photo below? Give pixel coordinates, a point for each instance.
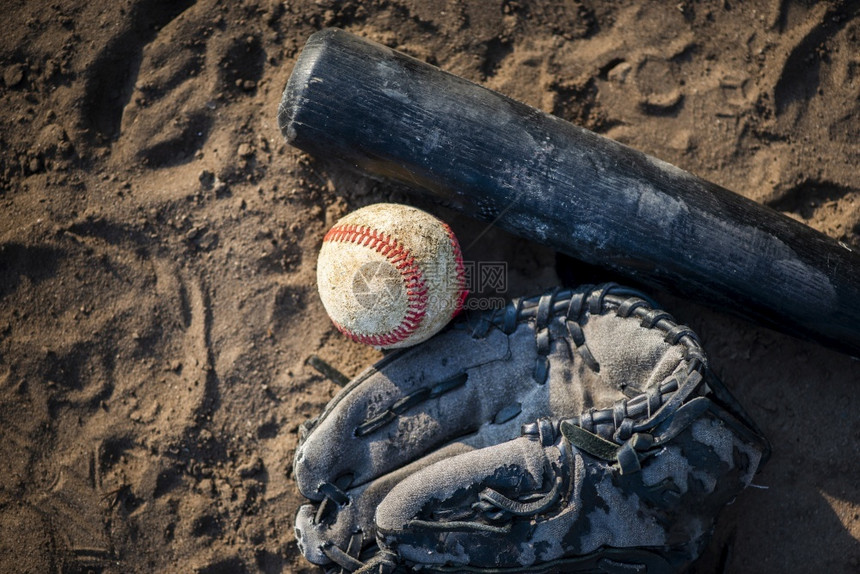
(158, 243)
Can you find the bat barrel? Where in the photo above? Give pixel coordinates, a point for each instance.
(555, 183)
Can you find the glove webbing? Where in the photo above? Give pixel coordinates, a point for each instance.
(591, 431)
(571, 304)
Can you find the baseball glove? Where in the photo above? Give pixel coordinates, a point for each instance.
(577, 431)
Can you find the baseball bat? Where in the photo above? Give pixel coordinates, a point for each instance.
(575, 191)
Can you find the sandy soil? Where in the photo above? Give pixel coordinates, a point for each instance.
(158, 244)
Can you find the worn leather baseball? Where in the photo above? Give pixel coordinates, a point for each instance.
(391, 275)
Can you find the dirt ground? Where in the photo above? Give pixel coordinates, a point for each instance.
(158, 244)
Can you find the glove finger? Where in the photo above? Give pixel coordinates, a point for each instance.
(334, 527)
(408, 405)
(442, 515)
(538, 503)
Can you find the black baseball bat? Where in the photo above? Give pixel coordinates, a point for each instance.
(558, 184)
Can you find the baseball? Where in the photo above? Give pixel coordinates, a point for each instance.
(391, 275)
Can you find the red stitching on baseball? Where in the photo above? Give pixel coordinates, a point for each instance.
(413, 279)
(461, 271)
